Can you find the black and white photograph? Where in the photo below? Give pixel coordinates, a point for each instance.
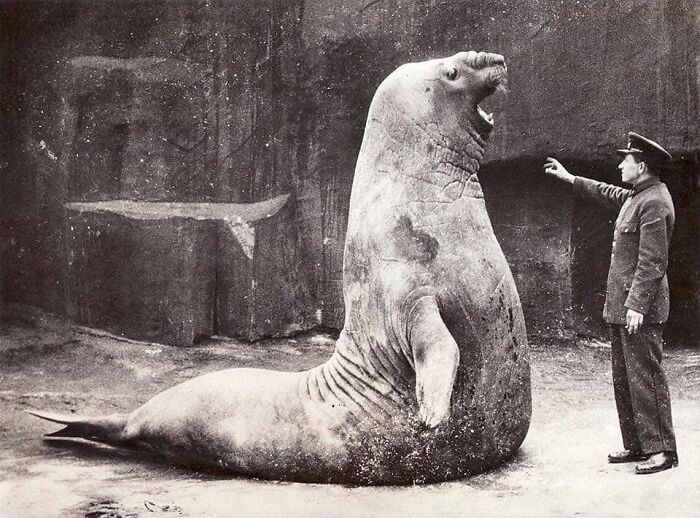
(349, 258)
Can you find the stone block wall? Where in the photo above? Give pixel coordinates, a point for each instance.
(216, 101)
(146, 279)
(177, 272)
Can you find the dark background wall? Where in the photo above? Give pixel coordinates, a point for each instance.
(238, 102)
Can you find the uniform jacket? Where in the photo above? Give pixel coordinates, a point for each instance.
(637, 276)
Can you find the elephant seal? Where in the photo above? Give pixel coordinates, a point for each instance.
(430, 378)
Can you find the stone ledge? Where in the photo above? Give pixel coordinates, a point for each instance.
(229, 212)
(177, 272)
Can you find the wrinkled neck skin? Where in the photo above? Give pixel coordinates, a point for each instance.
(406, 168)
(431, 166)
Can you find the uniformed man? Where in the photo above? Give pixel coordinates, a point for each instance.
(637, 299)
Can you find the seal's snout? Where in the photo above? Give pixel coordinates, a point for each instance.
(488, 73)
(490, 68)
(478, 60)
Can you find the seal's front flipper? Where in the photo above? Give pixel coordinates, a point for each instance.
(435, 358)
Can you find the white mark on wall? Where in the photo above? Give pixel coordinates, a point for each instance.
(49, 153)
(244, 233)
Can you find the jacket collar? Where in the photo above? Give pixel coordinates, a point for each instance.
(645, 185)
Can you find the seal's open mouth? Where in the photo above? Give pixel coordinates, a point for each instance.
(493, 72)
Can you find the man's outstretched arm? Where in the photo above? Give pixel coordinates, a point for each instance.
(609, 196)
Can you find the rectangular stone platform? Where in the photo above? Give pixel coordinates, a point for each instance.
(177, 272)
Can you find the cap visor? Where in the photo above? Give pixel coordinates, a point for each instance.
(632, 151)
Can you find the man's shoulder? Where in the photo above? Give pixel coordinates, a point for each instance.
(659, 186)
(656, 197)
(656, 191)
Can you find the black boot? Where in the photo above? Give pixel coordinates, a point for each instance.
(626, 456)
(657, 462)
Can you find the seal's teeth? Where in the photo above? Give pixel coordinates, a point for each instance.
(487, 117)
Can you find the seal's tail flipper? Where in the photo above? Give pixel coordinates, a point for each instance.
(106, 429)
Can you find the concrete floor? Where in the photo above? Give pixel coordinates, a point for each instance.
(560, 470)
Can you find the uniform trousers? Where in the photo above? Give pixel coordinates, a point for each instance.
(641, 389)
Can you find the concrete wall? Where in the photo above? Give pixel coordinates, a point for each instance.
(206, 101)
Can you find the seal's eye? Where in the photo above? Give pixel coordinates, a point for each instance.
(451, 74)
